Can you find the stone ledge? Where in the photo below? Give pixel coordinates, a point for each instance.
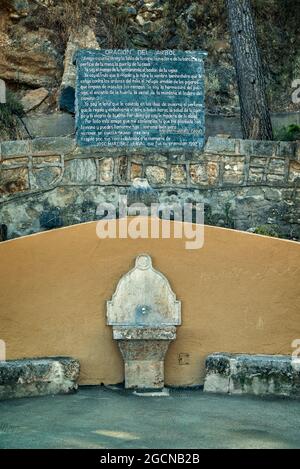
(15, 149)
(38, 377)
(214, 146)
(257, 148)
(37, 147)
(52, 146)
(218, 145)
(260, 148)
(260, 375)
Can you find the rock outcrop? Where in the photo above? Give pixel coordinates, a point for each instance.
(34, 98)
(82, 39)
(27, 56)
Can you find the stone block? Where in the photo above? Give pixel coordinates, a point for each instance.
(212, 173)
(38, 377)
(257, 148)
(122, 168)
(233, 170)
(274, 195)
(144, 362)
(34, 98)
(276, 178)
(52, 146)
(261, 375)
(56, 124)
(286, 149)
(198, 174)
(256, 161)
(136, 171)
(144, 374)
(106, 170)
(204, 173)
(42, 178)
(14, 162)
(294, 171)
(277, 166)
(15, 148)
(220, 145)
(297, 151)
(161, 158)
(178, 174)
(14, 180)
(156, 175)
(80, 171)
(256, 175)
(175, 157)
(45, 160)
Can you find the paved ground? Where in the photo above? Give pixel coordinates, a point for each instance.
(104, 418)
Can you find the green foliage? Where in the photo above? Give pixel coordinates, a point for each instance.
(9, 113)
(219, 219)
(267, 230)
(289, 133)
(212, 83)
(229, 221)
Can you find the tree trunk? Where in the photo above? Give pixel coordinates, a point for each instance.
(255, 115)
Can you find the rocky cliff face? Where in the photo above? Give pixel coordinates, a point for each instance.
(28, 57)
(36, 37)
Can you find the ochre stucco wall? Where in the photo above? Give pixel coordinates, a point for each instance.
(239, 293)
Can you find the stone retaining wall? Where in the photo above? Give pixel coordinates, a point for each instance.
(51, 182)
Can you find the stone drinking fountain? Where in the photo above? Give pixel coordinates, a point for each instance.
(144, 314)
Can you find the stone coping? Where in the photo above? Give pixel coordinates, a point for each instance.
(44, 146)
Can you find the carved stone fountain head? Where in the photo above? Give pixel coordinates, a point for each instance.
(144, 314)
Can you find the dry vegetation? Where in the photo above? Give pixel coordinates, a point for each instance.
(64, 17)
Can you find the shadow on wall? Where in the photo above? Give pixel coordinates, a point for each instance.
(239, 293)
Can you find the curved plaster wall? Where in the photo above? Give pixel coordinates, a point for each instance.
(239, 293)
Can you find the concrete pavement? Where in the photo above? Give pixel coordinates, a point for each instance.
(99, 417)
